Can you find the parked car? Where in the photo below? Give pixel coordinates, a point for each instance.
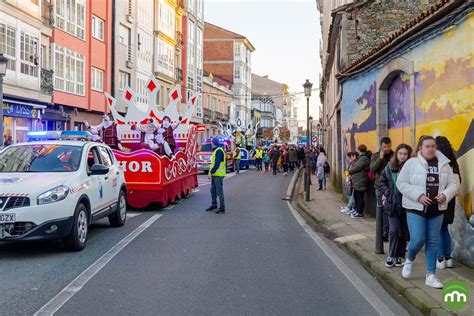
(54, 189)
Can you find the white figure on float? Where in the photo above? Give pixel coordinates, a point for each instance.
(162, 147)
(95, 129)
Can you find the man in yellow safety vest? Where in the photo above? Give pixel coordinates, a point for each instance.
(258, 158)
(237, 156)
(216, 174)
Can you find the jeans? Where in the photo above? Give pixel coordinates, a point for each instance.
(275, 167)
(398, 235)
(444, 242)
(359, 199)
(285, 168)
(350, 201)
(258, 163)
(424, 231)
(217, 190)
(237, 165)
(292, 166)
(378, 198)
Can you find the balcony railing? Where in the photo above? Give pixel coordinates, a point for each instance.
(179, 74)
(47, 85)
(207, 114)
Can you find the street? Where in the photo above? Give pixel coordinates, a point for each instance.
(255, 259)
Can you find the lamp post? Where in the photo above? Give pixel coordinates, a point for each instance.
(3, 71)
(310, 131)
(307, 92)
(319, 134)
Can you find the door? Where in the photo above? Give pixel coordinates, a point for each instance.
(96, 191)
(110, 192)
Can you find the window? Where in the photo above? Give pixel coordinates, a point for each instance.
(237, 73)
(124, 80)
(237, 49)
(166, 19)
(165, 58)
(97, 79)
(68, 70)
(124, 35)
(105, 156)
(8, 44)
(70, 16)
(29, 55)
(97, 28)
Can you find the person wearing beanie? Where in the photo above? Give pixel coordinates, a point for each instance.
(216, 174)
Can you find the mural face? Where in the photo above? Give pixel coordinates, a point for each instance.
(444, 105)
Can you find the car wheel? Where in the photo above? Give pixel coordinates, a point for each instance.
(119, 217)
(77, 239)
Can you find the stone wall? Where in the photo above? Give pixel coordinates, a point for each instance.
(369, 23)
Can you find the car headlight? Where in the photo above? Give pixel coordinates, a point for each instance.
(53, 195)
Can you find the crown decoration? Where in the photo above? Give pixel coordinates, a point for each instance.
(138, 114)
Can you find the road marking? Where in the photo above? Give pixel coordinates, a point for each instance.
(196, 190)
(78, 283)
(363, 289)
(133, 214)
(169, 207)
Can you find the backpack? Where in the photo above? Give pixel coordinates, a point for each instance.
(326, 167)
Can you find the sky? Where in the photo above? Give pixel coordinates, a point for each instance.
(286, 36)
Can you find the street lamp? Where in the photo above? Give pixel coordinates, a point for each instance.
(3, 71)
(310, 131)
(307, 92)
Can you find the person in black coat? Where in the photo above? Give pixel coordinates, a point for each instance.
(444, 240)
(392, 205)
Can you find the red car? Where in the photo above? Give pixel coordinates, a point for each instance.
(205, 152)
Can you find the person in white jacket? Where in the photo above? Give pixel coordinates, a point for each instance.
(320, 164)
(427, 184)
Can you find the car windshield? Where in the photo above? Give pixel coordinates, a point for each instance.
(206, 147)
(40, 158)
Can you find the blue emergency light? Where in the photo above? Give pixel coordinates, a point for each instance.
(43, 135)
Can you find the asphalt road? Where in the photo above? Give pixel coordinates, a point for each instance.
(255, 259)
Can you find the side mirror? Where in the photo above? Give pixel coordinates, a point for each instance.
(97, 169)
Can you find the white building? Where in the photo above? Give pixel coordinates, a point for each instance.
(25, 31)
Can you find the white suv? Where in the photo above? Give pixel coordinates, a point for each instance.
(56, 189)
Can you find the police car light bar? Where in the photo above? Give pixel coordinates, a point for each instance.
(43, 135)
(76, 135)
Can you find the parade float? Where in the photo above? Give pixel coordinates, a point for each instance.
(155, 148)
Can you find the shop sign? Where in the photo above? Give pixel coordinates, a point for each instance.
(20, 110)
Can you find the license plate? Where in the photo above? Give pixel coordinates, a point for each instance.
(7, 218)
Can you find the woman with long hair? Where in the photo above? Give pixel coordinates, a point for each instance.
(427, 184)
(444, 241)
(392, 205)
(360, 181)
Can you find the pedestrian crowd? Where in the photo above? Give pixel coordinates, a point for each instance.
(415, 192)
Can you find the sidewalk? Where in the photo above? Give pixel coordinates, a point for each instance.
(358, 237)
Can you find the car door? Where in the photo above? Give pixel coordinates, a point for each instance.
(95, 185)
(110, 192)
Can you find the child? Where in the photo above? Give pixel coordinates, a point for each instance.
(320, 174)
(266, 161)
(349, 208)
(392, 204)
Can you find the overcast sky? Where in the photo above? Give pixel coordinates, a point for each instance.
(286, 35)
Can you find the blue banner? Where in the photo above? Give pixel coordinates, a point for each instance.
(20, 110)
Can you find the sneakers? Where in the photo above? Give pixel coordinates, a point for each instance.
(221, 210)
(440, 264)
(449, 263)
(344, 209)
(433, 281)
(357, 215)
(407, 267)
(390, 262)
(211, 208)
(399, 262)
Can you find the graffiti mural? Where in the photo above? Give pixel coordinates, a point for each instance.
(399, 121)
(444, 105)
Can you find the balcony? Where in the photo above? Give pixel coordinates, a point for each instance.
(179, 74)
(218, 116)
(47, 85)
(207, 115)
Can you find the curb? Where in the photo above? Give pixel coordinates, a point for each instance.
(418, 298)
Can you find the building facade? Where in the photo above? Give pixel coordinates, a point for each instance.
(81, 55)
(228, 55)
(217, 100)
(399, 88)
(25, 34)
